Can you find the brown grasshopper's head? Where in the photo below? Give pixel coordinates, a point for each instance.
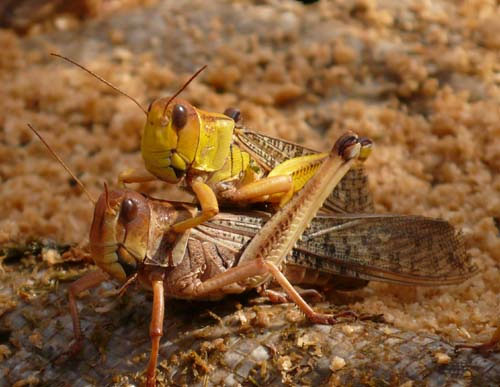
(130, 231)
(119, 232)
(177, 136)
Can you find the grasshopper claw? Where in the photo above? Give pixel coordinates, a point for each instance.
(323, 319)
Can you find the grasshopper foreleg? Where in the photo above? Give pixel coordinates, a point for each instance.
(208, 203)
(135, 176)
(88, 281)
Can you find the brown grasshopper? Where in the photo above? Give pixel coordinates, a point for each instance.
(334, 251)
(130, 239)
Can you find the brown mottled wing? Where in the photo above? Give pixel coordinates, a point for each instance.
(231, 231)
(352, 194)
(410, 250)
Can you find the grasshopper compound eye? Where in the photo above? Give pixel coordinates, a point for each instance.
(179, 116)
(129, 210)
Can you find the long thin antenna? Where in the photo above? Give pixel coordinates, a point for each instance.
(183, 87)
(106, 198)
(63, 164)
(102, 80)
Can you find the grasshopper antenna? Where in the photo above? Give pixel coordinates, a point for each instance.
(63, 164)
(184, 86)
(102, 80)
(106, 198)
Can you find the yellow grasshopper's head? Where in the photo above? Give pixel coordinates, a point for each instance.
(130, 230)
(177, 136)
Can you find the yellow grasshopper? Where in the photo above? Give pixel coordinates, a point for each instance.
(221, 162)
(181, 142)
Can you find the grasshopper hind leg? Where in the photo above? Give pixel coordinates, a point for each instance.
(257, 267)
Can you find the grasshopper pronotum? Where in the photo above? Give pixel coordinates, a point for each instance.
(181, 143)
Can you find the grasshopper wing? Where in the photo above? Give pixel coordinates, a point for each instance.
(352, 194)
(229, 232)
(409, 250)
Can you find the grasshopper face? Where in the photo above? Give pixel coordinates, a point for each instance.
(119, 232)
(180, 137)
(170, 138)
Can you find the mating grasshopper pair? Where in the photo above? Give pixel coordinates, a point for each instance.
(132, 232)
(132, 239)
(138, 238)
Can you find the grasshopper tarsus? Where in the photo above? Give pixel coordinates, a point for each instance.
(376, 318)
(492, 344)
(331, 319)
(74, 349)
(323, 319)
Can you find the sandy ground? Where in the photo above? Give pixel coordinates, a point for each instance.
(420, 78)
